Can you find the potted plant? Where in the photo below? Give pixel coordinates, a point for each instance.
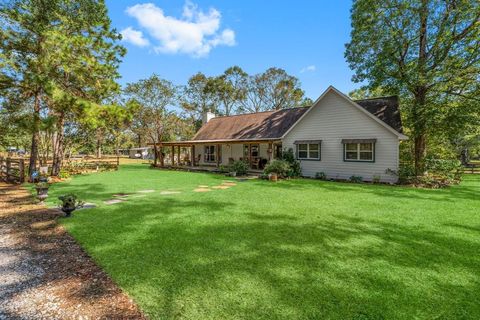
(42, 191)
(238, 168)
(277, 169)
(273, 177)
(70, 203)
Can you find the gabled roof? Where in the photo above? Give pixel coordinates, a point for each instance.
(385, 109)
(371, 109)
(261, 125)
(271, 125)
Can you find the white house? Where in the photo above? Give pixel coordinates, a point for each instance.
(336, 135)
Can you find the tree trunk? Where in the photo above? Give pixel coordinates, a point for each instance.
(35, 136)
(155, 152)
(99, 148)
(419, 131)
(421, 94)
(59, 148)
(139, 141)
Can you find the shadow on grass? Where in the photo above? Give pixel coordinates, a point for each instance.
(178, 262)
(465, 192)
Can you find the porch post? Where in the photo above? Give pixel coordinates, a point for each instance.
(218, 155)
(162, 159)
(173, 155)
(270, 154)
(193, 155)
(250, 155)
(178, 158)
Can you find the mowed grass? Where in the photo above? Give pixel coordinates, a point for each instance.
(298, 249)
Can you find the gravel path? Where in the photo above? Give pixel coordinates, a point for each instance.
(44, 273)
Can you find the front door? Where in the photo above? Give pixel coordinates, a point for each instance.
(251, 154)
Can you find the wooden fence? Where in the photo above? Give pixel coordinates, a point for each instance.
(15, 169)
(472, 168)
(12, 170)
(79, 165)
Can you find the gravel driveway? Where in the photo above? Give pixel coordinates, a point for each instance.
(44, 273)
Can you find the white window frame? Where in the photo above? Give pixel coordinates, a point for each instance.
(210, 157)
(319, 150)
(358, 151)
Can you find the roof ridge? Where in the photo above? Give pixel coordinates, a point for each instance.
(251, 113)
(377, 98)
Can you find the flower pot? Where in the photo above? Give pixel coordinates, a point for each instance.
(233, 174)
(273, 177)
(68, 211)
(42, 193)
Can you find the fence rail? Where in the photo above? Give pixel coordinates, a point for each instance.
(12, 170)
(471, 168)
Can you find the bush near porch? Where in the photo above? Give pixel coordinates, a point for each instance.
(297, 249)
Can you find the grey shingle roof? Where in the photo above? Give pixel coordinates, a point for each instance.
(274, 124)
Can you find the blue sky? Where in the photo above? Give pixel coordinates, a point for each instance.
(176, 39)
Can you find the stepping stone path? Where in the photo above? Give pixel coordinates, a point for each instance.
(138, 196)
(146, 191)
(224, 185)
(113, 201)
(163, 193)
(220, 187)
(122, 195)
(88, 205)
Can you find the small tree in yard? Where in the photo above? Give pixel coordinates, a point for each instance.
(153, 119)
(428, 51)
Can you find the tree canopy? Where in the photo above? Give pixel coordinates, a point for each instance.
(427, 51)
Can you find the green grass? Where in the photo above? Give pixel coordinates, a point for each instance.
(300, 249)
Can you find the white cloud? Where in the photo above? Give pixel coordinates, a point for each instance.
(134, 37)
(195, 33)
(310, 68)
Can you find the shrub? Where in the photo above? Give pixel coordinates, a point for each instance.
(295, 169)
(445, 168)
(70, 200)
(223, 168)
(439, 173)
(64, 174)
(320, 175)
(356, 179)
(240, 167)
(280, 167)
(376, 179)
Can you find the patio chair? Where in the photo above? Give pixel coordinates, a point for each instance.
(197, 160)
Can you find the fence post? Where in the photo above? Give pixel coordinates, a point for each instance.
(1, 167)
(118, 162)
(21, 170)
(8, 170)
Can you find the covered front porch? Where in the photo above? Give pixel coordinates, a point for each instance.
(212, 155)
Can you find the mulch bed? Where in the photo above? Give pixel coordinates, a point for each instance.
(44, 273)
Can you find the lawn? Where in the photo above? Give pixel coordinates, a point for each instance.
(299, 249)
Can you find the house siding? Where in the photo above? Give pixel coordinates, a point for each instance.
(332, 119)
(234, 150)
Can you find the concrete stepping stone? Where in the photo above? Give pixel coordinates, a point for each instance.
(138, 196)
(146, 191)
(88, 205)
(220, 187)
(113, 201)
(202, 190)
(202, 186)
(121, 195)
(163, 193)
(228, 183)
